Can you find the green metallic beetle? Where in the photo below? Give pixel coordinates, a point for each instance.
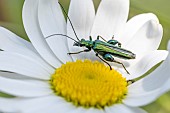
(105, 50)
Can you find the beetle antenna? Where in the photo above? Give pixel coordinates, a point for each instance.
(62, 35)
(69, 21)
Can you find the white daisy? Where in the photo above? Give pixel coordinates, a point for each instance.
(41, 81)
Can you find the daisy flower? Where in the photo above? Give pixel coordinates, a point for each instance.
(43, 78)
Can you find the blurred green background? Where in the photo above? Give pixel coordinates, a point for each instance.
(10, 17)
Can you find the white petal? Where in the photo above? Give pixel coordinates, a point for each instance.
(17, 39)
(14, 76)
(53, 106)
(94, 110)
(51, 22)
(144, 98)
(81, 13)
(8, 43)
(147, 97)
(156, 79)
(146, 39)
(120, 108)
(14, 62)
(84, 110)
(134, 24)
(30, 20)
(146, 63)
(78, 110)
(111, 18)
(21, 88)
(26, 105)
(149, 88)
(169, 45)
(61, 106)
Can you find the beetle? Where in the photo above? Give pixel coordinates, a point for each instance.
(104, 50)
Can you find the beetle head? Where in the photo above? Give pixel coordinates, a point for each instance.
(76, 44)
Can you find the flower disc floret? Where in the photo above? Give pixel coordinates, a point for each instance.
(89, 84)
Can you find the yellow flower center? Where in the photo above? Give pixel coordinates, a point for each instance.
(89, 84)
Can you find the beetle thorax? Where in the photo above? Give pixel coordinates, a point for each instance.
(87, 43)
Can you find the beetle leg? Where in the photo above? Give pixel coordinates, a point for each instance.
(122, 65)
(86, 50)
(130, 81)
(108, 57)
(114, 42)
(101, 38)
(113, 37)
(103, 60)
(119, 44)
(90, 38)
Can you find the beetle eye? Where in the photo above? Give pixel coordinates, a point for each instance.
(82, 40)
(81, 45)
(76, 44)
